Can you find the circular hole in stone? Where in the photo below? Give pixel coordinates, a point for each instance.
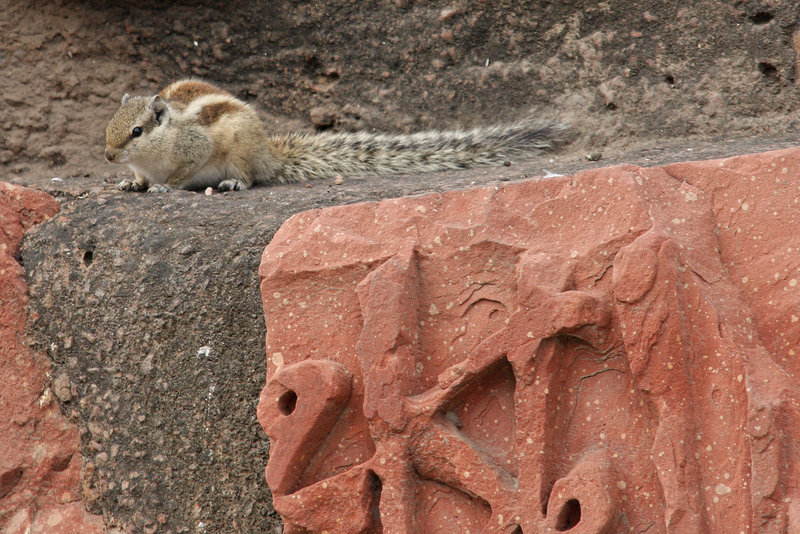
(768, 70)
(569, 516)
(287, 402)
(88, 257)
(762, 17)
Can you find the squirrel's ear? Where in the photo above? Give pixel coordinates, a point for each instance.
(159, 109)
(125, 97)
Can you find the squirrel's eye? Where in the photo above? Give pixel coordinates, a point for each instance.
(136, 131)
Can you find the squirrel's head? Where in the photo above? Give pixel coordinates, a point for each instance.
(128, 130)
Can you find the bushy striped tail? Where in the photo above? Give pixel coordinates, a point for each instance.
(305, 156)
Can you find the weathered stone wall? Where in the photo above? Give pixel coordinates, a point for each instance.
(625, 73)
(608, 352)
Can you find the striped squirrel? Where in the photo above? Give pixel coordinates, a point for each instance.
(193, 135)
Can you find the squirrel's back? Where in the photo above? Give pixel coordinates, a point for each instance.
(183, 92)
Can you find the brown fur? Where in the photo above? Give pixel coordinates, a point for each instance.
(212, 112)
(181, 93)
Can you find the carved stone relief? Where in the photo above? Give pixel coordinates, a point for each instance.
(567, 355)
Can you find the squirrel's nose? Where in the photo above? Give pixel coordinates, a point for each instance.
(110, 155)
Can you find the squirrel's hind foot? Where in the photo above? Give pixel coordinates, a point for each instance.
(159, 188)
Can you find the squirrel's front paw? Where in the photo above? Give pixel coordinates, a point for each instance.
(130, 185)
(231, 185)
(159, 188)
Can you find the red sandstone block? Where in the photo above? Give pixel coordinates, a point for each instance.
(607, 352)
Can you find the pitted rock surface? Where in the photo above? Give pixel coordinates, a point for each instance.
(607, 352)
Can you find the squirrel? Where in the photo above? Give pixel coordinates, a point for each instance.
(194, 135)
